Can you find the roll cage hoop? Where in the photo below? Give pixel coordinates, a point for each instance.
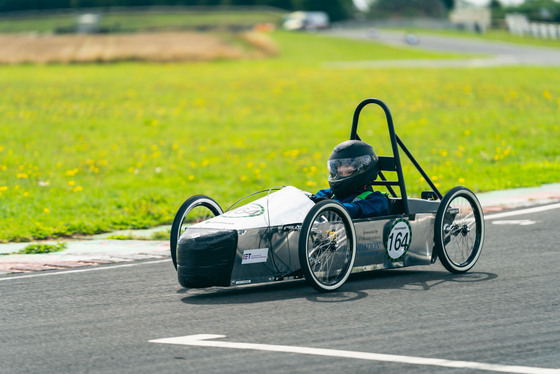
(391, 163)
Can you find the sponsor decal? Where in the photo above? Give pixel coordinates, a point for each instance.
(254, 256)
(367, 232)
(249, 210)
(398, 240)
(368, 249)
(376, 238)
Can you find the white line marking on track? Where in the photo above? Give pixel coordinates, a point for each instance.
(202, 340)
(519, 222)
(523, 211)
(96, 268)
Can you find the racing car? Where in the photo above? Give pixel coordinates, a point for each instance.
(285, 235)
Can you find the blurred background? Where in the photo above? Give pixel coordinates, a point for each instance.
(117, 16)
(25, 20)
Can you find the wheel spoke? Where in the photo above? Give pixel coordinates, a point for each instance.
(461, 230)
(458, 245)
(328, 248)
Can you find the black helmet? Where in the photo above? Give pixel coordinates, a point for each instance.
(352, 165)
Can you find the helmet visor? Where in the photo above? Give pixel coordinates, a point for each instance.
(344, 168)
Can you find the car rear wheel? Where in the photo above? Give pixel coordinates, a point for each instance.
(327, 246)
(195, 209)
(459, 230)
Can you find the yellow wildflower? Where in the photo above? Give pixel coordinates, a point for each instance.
(72, 172)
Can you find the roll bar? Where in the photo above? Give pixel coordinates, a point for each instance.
(391, 163)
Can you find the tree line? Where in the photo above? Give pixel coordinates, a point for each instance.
(537, 10)
(336, 9)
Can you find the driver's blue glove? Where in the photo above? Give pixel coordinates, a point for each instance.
(317, 199)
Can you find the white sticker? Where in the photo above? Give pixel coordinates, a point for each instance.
(398, 240)
(253, 256)
(245, 211)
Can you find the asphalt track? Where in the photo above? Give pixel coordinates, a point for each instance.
(503, 316)
(485, 53)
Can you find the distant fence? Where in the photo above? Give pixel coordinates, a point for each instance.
(518, 24)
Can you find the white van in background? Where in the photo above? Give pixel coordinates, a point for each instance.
(306, 21)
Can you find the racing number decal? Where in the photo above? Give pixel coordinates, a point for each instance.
(398, 240)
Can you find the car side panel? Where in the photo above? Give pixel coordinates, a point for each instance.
(372, 237)
(271, 254)
(266, 254)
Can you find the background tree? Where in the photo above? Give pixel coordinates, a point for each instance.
(449, 4)
(539, 10)
(337, 9)
(498, 13)
(407, 8)
(282, 4)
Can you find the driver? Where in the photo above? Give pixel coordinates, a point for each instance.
(352, 168)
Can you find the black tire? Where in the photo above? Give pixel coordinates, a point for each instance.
(459, 230)
(189, 214)
(327, 239)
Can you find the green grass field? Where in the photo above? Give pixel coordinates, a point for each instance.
(93, 148)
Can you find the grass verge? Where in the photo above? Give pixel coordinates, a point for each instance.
(94, 148)
(41, 248)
